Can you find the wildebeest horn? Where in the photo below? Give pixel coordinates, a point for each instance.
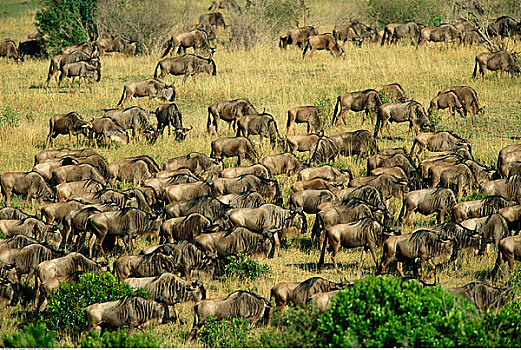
(191, 127)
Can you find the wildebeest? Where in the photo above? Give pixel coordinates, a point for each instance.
(393, 170)
(388, 185)
(186, 65)
(8, 49)
(447, 100)
(457, 176)
(367, 233)
(30, 184)
(297, 36)
(188, 191)
(304, 114)
(55, 212)
(399, 160)
(208, 206)
(66, 124)
(479, 208)
(26, 259)
(501, 60)
(216, 19)
(152, 88)
(310, 200)
(315, 184)
(354, 31)
(255, 169)
(360, 143)
(400, 112)
(86, 47)
(509, 249)
(117, 44)
(467, 96)
(135, 171)
(368, 101)
(225, 4)
(509, 188)
(249, 199)
(284, 163)
(129, 311)
(237, 240)
(196, 39)
(109, 130)
(329, 173)
(395, 31)
(52, 273)
(184, 228)
(11, 213)
(393, 91)
(34, 47)
(494, 227)
(169, 115)
(268, 188)
(426, 202)
(446, 33)
(438, 142)
(323, 42)
(325, 150)
(509, 159)
(298, 294)
(135, 118)
(240, 147)
(484, 297)
(259, 124)
(228, 111)
(504, 26)
(76, 172)
(239, 304)
(302, 143)
(57, 62)
(169, 289)
(324, 300)
(472, 37)
(32, 228)
(69, 190)
(63, 152)
(87, 70)
(196, 162)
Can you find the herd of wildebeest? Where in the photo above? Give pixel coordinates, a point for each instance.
(203, 212)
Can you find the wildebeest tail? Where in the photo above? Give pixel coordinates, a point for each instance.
(323, 251)
(402, 211)
(306, 48)
(155, 71)
(209, 121)
(475, 73)
(337, 107)
(378, 123)
(51, 71)
(412, 148)
(122, 96)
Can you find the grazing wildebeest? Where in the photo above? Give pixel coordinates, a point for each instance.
(169, 115)
(501, 60)
(310, 200)
(186, 65)
(76, 172)
(239, 304)
(479, 208)
(446, 33)
(395, 31)
(184, 228)
(304, 114)
(268, 188)
(468, 97)
(329, 173)
(208, 206)
(388, 185)
(117, 44)
(135, 118)
(11, 213)
(86, 70)
(135, 171)
(109, 130)
(188, 191)
(169, 289)
(69, 190)
(196, 39)
(509, 249)
(368, 101)
(315, 184)
(255, 169)
(240, 147)
(472, 37)
(360, 143)
(152, 88)
(393, 170)
(249, 199)
(216, 19)
(66, 124)
(128, 311)
(393, 91)
(323, 42)
(30, 184)
(196, 162)
(259, 124)
(484, 297)
(438, 142)
(400, 112)
(228, 111)
(52, 273)
(399, 160)
(509, 188)
(325, 151)
(55, 212)
(447, 100)
(424, 244)
(298, 294)
(426, 202)
(354, 31)
(297, 36)
(367, 233)
(494, 227)
(504, 26)
(8, 50)
(57, 62)
(225, 4)
(302, 143)
(284, 163)
(509, 160)
(34, 47)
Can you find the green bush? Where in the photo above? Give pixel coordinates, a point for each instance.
(434, 116)
(474, 196)
(227, 333)
(67, 22)
(118, 339)
(325, 105)
(242, 266)
(66, 305)
(426, 12)
(31, 336)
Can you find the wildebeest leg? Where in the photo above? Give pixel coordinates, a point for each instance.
(388, 126)
(399, 267)
(433, 269)
(334, 245)
(373, 253)
(176, 315)
(240, 157)
(361, 261)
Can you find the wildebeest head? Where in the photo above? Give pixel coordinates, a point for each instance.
(196, 291)
(168, 92)
(180, 133)
(298, 220)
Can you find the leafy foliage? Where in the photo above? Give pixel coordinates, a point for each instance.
(420, 11)
(434, 116)
(226, 333)
(474, 196)
(66, 305)
(325, 106)
(118, 339)
(31, 336)
(242, 266)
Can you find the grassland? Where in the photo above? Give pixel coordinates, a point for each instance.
(272, 79)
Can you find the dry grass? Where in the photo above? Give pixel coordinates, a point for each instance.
(272, 79)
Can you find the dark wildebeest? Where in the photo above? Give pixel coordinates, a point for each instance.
(325, 150)
(360, 143)
(484, 297)
(185, 228)
(509, 160)
(69, 190)
(400, 112)
(42, 156)
(30, 184)
(400, 160)
(109, 130)
(355, 32)
(226, 5)
(11, 213)
(118, 44)
(169, 289)
(82, 69)
(509, 249)
(388, 185)
(255, 169)
(134, 118)
(216, 19)
(66, 124)
(395, 31)
(32, 228)
(249, 199)
(472, 37)
(302, 143)
(55, 212)
(239, 304)
(393, 91)
(368, 101)
(424, 244)
(438, 142)
(310, 200)
(8, 50)
(152, 88)
(426, 202)
(237, 240)
(447, 100)
(297, 294)
(393, 170)
(196, 162)
(323, 42)
(479, 208)
(228, 111)
(208, 206)
(494, 227)
(284, 163)
(135, 171)
(509, 188)
(170, 115)
(128, 311)
(240, 147)
(52, 273)
(304, 114)
(329, 173)
(268, 188)
(446, 33)
(34, 47)
(196, 39)
(259, 124)
(501, 60)
(183, 256)
(76, 172)
(297, 36)
(188, 191)
(468, 97)
(57, 62)
(186, 65)
(504, 26)
(315, 184)
(367, 233)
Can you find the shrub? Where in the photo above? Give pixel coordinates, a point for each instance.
(434, 116)
(474, 196)
(227, 333)
(118, 339)
(242, 266)
(31, 336)
(325, 105)
(66, 305)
